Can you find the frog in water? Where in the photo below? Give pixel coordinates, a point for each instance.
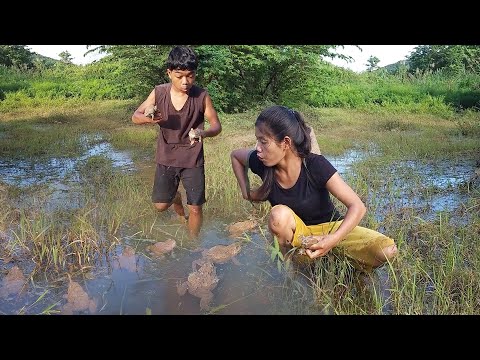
(162, 247)
(200, 283)
(127, 260)
(239, 228)
(219, 254)
(78, 299)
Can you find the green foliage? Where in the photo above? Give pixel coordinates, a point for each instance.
(468, 124)
(241, 77)
(16, 56)
(439, 93)
(138, 67)
(12, 79)
(276, 254)
(66, 57)
(372, 63)
(97, 81)
(453, 58)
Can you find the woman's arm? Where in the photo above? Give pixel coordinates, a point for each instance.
(239, 158)
(355, 212)
(355, 207)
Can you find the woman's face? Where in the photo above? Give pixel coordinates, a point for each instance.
(268, 150)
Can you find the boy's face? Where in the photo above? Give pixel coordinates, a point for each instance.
(182, 80)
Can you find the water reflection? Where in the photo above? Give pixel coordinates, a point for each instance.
(58, 172)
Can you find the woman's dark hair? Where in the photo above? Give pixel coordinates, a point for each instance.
(182, 58)
(278, 122)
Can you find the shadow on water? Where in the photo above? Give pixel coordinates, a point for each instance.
(144, 283)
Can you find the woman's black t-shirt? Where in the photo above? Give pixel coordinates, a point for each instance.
(311, 202)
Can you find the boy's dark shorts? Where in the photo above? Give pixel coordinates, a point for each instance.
(167, 179)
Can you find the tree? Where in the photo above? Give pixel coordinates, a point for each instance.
(16, 55)
(453, 58)
(236, 76)
(372, 63)
(66, 57)
(138, 67)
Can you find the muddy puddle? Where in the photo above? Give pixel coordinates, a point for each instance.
(136, 277)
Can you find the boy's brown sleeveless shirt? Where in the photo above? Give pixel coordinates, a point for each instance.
(173, 144)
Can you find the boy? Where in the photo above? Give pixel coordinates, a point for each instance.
(180, 108)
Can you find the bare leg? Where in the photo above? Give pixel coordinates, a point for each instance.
(162, 206)
(281, 223)
(178, 206)
(195, 220)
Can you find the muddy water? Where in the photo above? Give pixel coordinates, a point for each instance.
(148, 284)
(145, 284)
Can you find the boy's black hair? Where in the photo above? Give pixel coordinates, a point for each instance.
(182, 58)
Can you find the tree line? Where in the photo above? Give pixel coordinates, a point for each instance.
(241, 76)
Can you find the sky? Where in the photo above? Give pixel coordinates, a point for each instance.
(388, 54)
(77, 52)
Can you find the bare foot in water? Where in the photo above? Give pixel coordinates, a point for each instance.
(183, 219)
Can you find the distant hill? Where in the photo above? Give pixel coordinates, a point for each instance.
(393, 68)
(47, 61)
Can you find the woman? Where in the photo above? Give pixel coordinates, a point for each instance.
(298, 184)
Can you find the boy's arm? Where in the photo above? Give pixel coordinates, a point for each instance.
(212, 117)
(139, 117)
(315, 147)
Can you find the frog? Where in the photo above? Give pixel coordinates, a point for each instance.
(200, 283)
(150, 111)
(306, 242)
(162, 247)
(14, 283)
(194, 135)
(127, 260)
(78, 300)
(238, 228)
(219, 254)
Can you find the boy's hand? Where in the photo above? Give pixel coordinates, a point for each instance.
(150, 111)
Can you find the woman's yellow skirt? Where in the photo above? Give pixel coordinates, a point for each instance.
(361, 244)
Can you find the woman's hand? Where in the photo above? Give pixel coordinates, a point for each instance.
(324, 244)
(253, 196)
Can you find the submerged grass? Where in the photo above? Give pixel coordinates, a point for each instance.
(436, 271)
